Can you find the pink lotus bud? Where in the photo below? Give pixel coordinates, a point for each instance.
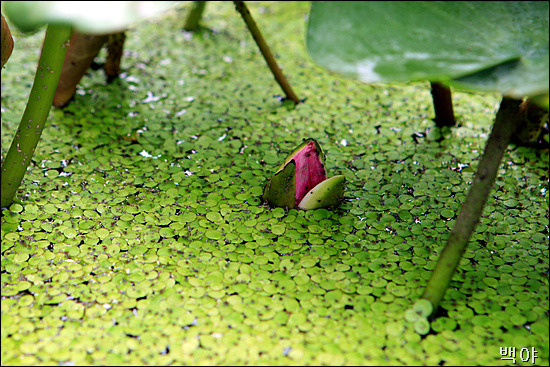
(301, 181)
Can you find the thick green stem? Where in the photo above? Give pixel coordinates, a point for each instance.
(194, 16)
(37, 110)
(475, 201)
(266, 52)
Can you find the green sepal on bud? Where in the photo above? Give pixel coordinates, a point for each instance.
(328, 193)
(280, 190)
(301, 182)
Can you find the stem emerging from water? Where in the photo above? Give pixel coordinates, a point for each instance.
(475, 201)
(443, 105)
(194, 16)
(266, 52)
(37, 110)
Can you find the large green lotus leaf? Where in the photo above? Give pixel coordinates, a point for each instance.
(523, 77)
(94, 17)
(495, 45)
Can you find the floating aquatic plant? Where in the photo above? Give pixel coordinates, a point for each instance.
(301, 181)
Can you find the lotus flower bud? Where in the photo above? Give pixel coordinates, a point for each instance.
(301, 181)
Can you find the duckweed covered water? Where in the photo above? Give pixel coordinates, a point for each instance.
(141, 237)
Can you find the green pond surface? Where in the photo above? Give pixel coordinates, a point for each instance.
(140, 236)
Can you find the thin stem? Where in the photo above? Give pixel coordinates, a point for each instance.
(266, 52)
(475, 201)
(115, 46)
(443, 105)
(37, 110)
(194, 16)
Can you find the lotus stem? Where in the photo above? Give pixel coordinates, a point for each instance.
(37, 110)
(194, 16)
(472, 208)
(266, 52)
(115, 47)
(443, 105)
